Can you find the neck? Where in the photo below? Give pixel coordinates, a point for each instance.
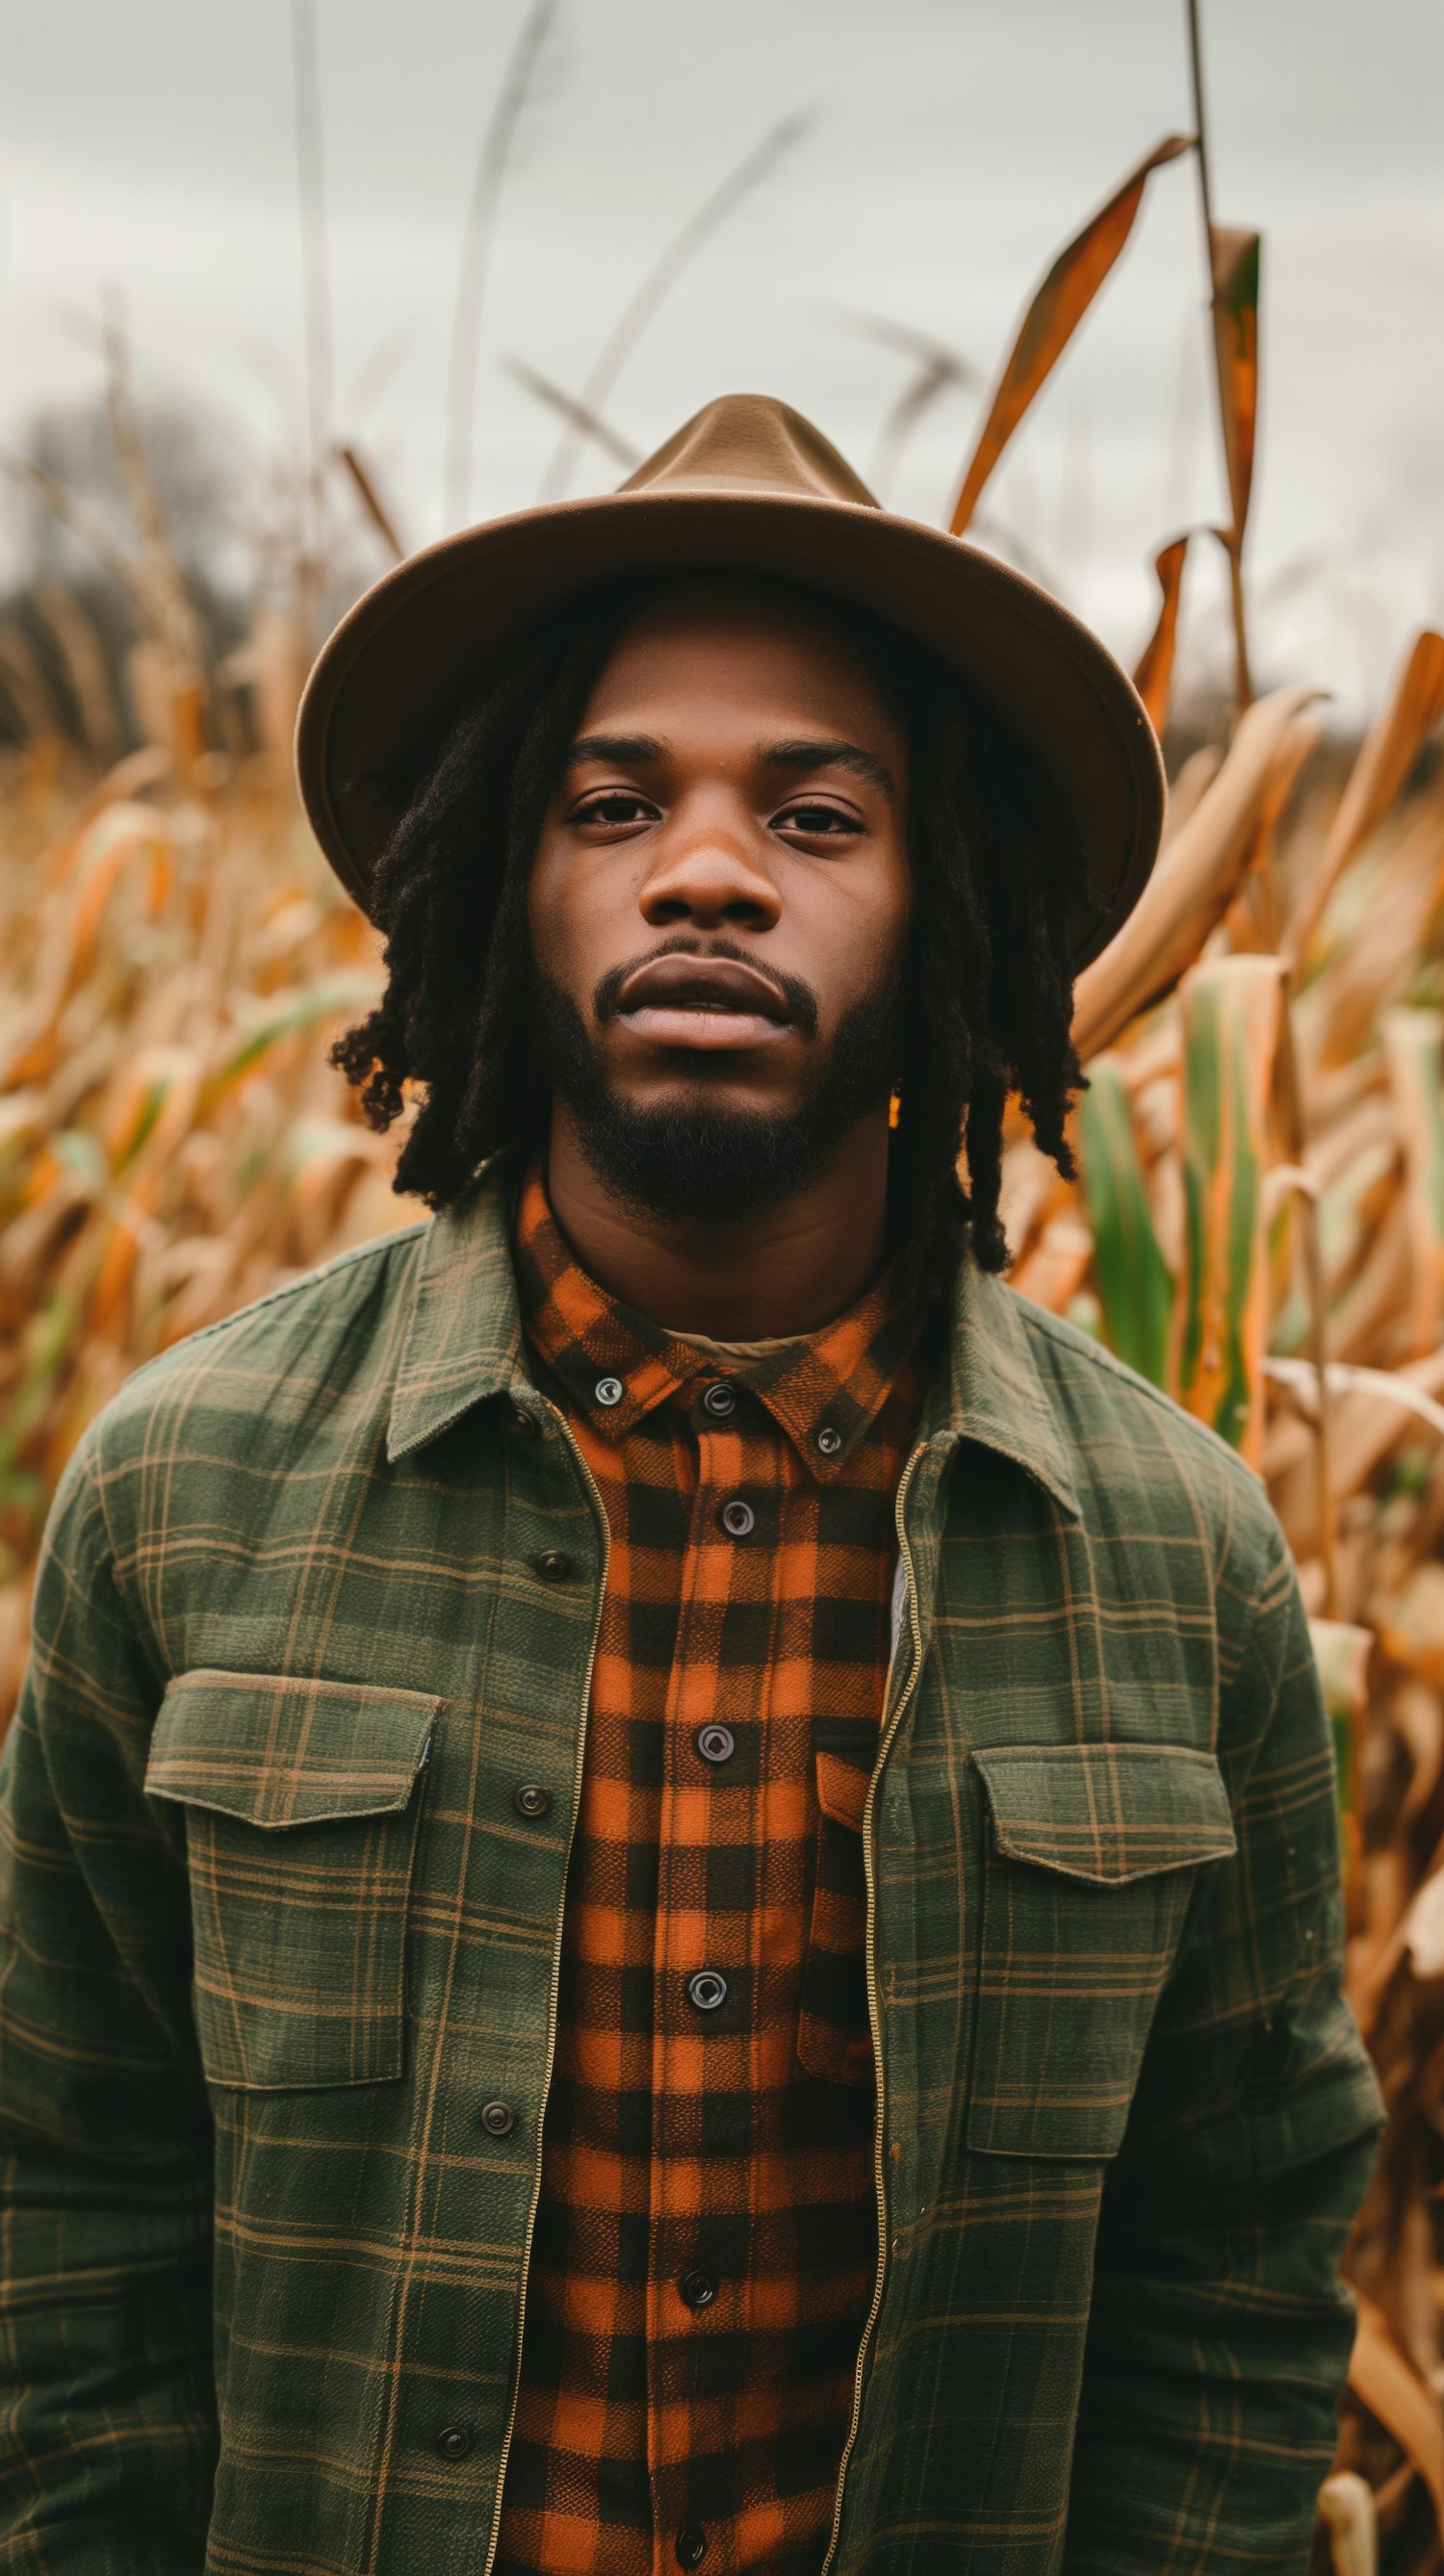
(788, 1270)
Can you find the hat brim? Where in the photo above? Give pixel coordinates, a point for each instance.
(429, 634)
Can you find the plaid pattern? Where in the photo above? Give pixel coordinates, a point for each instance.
(736, 2143)
(274, 2330)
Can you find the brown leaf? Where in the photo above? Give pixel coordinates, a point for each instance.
(1057, 308)
(1235, 326)
(1414, 1047)
(1194, 882)
(1346, 2509)
(1385, 2381)
(1390, 749)
(1153, 678)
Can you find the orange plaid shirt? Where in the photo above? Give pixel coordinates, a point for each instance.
(706, 2242)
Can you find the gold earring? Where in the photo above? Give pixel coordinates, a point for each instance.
(894, 1106)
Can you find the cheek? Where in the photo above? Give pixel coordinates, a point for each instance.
(863, 928)
(560, 913)
(582, 911)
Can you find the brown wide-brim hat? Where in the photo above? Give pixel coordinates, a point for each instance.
(748, 486)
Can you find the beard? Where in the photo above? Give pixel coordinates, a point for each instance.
(694, 1157)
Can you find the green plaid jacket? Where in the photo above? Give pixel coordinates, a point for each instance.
(280, 1977)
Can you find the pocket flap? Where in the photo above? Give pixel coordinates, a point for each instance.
(1107, 1812)
(278, 1753)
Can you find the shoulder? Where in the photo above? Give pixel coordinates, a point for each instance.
(321, 1345)
(1138, 1459)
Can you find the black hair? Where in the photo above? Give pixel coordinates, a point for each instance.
(999, 889)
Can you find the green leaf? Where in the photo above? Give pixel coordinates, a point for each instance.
(1135, 1284)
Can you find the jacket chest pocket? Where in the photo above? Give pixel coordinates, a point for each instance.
(1095, 1853)
(302, 1802)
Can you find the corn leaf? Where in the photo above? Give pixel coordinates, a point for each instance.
(1195, 880)
(1230, 1011)
(290, 1015)
(1346, 2510)
(1057, 308)
(1414, 1046)
(1135, 1284)
(1235, 256)
(1153, 678)
(1381, 2374)
(1341, 1653)
(1389, 751)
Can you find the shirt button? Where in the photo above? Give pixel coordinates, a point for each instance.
(554, 1565)
(720, 1401)
(498, 2119)
(454, 2441)
(609, 1391)
(829, 1440)
(697, 2289)
(715, 1743)
(706, 1990)
(531, 1799)
(690, 2545)
(737, 1517)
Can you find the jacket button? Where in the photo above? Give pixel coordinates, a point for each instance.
(609, 1391)
(706, 1990)
(454, 2441)
(829, 1440)
(498, 2119)
(697, 2289)
(720, 1401)
(715, 1743)
(737, 1518)
(553, 1565)
(690, 2545)
(531, 1799)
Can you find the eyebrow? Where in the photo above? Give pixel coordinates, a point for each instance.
(628, 749)
(827, 754)
(635, 749)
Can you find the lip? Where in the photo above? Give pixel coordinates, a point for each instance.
(715, 1003)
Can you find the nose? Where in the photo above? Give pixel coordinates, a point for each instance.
(706, 873)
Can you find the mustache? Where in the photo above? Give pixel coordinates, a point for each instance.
(799, 997)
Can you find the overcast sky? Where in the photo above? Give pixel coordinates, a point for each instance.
(955, 145)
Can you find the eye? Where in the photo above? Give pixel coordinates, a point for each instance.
(817, 821)
(614, 807)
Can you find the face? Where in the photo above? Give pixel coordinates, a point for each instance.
(721, 894)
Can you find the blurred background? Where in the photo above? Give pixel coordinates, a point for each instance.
(1145, 296)
(933, 158)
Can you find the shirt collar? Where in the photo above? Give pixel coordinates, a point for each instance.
(825, 1388)
(461, 1341)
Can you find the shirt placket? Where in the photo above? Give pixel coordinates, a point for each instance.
(706, 1970)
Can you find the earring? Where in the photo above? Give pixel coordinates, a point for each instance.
(894, 1106)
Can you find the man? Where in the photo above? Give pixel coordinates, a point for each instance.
(671, 1866)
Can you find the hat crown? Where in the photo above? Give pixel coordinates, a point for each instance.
(751, 443)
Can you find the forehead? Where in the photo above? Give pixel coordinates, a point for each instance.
(745, 649)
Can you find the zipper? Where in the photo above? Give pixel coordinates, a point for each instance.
(874, 2010)
(554, 1996)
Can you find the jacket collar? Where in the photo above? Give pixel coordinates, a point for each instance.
(990, 1388)
(461, 1329)
(461, 1341)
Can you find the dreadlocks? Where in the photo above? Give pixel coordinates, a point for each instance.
(987, 979)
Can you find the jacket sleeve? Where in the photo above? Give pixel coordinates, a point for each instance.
(106, 2402)
(1220, 2330)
